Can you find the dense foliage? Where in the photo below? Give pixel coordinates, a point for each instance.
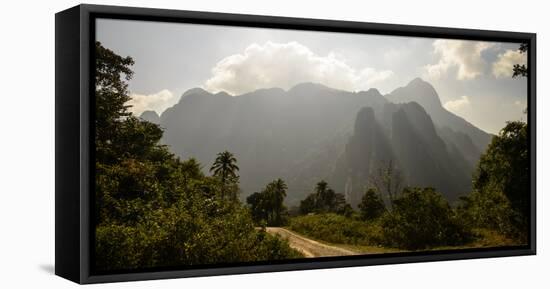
(325, 200)
(421, 218)
(501, 182)
(488, 210)
(151, 208)
(267, 206)
(371, 206)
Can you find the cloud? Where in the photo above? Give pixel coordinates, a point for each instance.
(285, 65)
(504, 65)
(457, 104)
(463, 55)
(157, 101)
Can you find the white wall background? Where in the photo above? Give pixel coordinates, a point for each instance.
(27, 144)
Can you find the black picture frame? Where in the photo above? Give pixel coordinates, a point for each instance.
(74, 94)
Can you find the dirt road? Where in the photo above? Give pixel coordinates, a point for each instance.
(308, 247)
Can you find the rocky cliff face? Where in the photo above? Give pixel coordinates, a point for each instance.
(423, 93)
(410, 144)
(311, 133)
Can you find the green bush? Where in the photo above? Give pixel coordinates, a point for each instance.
(371, 206)
(421, 218)
(490, 210)
(188, 233)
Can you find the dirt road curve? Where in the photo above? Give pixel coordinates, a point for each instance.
(307, 246)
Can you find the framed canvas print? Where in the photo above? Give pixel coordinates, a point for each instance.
(193, 144)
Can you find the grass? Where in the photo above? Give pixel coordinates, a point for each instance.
(357, 236)
(484, 239)
(342, 232)
(336, 229)
(366, 249)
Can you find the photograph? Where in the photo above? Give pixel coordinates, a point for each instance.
(220, 145)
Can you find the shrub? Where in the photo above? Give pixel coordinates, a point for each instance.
(203, 232)
(422, 218)
(371, 206)
(490, 210)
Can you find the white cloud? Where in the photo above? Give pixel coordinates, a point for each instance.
(157, 101)
(463, 55)
(504, 65)
(285, 65)
(457, 104)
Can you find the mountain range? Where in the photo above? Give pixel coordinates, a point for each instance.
(312, 132)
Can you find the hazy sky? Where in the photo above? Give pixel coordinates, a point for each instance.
(473, 78)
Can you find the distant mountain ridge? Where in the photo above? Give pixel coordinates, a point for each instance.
(424, 94)
(150, 116)
(312, 132)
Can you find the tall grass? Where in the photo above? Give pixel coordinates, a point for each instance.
(335, 228)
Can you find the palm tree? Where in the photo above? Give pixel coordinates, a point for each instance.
(325, 197)
(321, 187)
(225, 168)
(279, 189)
(191, 168)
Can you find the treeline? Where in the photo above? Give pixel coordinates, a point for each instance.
(153, 209)
(268, 209)
(418, 218)
(411, 218)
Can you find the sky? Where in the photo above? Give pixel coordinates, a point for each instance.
(473, 79)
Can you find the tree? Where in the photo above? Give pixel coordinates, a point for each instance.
(225, 169)
(111, 95)
(125, 146)
(278, 190)
(324, 200)
(308, 205)
(258, 204)
(387, 180)
(421, 218)
(488, 210)
(325, 197)
(191, 169)
(371, 206)
(504, 167)
(520, 70)
(341, 207)
(267, 206)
